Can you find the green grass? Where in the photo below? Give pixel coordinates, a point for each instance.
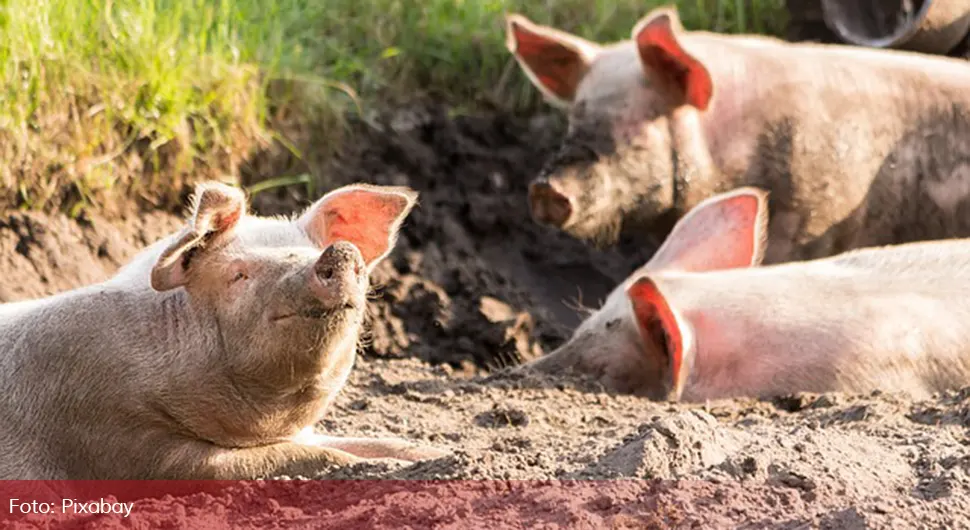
(144, 96)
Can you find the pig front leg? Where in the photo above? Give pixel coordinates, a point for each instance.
(247, 463)
(368, 448)
(306, 455)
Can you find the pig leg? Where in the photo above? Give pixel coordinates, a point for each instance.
(368, 448)
(285, 458)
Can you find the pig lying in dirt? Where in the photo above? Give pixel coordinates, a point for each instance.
(702, 321)
(211, 355)
(858, 147)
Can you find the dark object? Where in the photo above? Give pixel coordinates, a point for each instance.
(927, 26)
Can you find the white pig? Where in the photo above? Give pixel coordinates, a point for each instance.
(701, 320)
(858, 147)
(210, 356)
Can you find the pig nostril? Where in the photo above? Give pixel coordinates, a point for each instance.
(342, 261)
(548, 204)
(559, 209)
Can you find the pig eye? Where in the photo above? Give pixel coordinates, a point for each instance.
(612, 323)
(239, 276)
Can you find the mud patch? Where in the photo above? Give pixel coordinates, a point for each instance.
(728, 464)
(668, 447)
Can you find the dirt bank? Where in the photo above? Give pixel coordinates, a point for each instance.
(42, 255)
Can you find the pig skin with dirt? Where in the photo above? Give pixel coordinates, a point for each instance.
(210, 356)
(701, 320)
(858, 147)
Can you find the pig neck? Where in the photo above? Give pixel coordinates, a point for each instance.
(88, 358)
(695, 173)
(109, 331)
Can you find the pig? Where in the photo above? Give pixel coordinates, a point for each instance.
(210, 355)
(858, 147)
(703, 320)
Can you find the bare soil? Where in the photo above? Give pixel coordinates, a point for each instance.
(473, 286)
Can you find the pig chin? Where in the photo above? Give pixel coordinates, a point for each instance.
(600, 230)
(598, 222)
(314, 328)
(346, 312)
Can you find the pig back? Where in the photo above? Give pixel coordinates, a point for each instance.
(858, 147)
(824, 326)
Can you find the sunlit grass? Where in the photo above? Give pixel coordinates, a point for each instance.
(144, 96)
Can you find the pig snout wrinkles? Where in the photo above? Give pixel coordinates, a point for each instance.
(337, 274)
(549, 204)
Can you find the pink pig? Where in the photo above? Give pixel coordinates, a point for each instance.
(702, 321)
(858, 147)
(211, 355)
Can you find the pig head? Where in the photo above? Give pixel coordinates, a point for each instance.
(855, 145)
(636, 343)
(211, 355)
(288, 308)
(626, 104)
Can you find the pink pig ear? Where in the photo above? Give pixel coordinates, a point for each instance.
(216, 210)
(553, 60)
(726, 231)
(367, 216)
(662, 332)
(657, 39)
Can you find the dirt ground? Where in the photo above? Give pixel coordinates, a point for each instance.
(473, 286)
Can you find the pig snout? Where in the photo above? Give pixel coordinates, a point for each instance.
(337, 275)
(549, 203)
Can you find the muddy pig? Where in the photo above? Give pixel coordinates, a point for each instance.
(210, 356)
(859, 147)
(701, 321)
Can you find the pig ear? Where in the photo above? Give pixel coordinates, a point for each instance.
(663, 329)
(216, 209)
(657, 37)
(367, 216)
(553, 60)
(725, 231)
